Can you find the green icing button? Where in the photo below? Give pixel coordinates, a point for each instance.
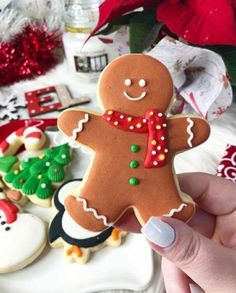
(134, 164)
(133, 181)
(134, 148)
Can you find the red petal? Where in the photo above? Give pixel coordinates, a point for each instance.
(112, 9)
(201, 22)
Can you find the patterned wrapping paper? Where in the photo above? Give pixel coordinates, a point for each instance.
(200, 78)
(199, 75)
(227, 166)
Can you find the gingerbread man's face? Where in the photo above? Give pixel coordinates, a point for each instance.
(135, 83)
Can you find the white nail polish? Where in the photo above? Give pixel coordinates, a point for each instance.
(159, 232)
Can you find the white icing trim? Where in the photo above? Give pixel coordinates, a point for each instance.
(173, 211)
(189, 131)
(80, 126)
(135, 99)
(94, 212)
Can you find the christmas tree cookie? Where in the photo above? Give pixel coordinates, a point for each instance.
(37, 177)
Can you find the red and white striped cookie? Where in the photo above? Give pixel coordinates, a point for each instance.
(31, 137)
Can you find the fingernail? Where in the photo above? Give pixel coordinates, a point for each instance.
(195, 288)
(158, 232)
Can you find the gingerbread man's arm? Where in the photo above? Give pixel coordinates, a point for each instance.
(81, 126)
(185, 132)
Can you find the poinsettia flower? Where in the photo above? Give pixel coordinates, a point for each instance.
(201, 22)
(112, 9)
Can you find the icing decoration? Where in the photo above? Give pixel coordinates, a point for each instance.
(227, 165)
(128, 82)
(115, 234)
(10, 210)
(143, 94)
(80, 126)
(37, 175)
(133, 181)
(142, 83)
(134, 164)
(134, 148)
(14, 195)
(93, 211)
(173, 211)
(7, 162)
(74, 249)
(189, 131)
(69, 231)
(38, 100)
(152, 124)
(31, 137)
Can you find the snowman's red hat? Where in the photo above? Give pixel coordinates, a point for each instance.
(9, 209)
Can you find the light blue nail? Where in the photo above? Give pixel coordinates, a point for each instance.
(159, 232)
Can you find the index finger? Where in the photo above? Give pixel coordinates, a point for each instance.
(213, 194)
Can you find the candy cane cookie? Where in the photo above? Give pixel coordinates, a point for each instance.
(31, 137)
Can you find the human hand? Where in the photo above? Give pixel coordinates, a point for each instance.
(202, 252)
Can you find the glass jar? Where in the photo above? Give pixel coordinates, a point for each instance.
(85, 59)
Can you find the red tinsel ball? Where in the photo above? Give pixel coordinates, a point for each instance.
(31, 53)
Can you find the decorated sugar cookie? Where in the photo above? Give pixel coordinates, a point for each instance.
(78, 242)
(22, 237)
(36, 177)
(134, 144)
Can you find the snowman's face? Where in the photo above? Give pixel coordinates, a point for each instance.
(20, 241)
(4, 227)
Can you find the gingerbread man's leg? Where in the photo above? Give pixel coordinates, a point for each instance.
(90, 216)
(165, 203)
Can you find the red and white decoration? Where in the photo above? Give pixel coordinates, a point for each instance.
(154, 124)
(38, 102)
(227, 166)
(32, 138)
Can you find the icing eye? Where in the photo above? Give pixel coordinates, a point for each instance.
(142, 83)
(128, 82)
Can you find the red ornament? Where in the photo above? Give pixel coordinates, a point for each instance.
(200, 22)
(227, 166)
(31, 53)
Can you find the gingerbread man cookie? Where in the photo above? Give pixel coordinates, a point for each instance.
(134, 144)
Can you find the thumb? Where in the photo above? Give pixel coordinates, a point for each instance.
(204, 261)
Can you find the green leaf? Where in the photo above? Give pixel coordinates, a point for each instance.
(144, 29)
(228, 53)
(116, 24)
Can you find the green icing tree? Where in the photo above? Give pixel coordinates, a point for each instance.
(37, 175)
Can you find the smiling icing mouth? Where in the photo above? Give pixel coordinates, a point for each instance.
(135, 99)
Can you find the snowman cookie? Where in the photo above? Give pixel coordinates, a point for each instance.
(134, 144)
(78, 242)
(22, 237)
